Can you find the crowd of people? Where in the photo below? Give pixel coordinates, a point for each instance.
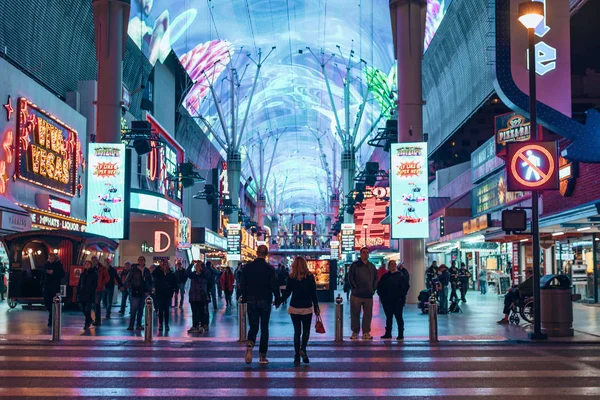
(257, 284)
(445, 282)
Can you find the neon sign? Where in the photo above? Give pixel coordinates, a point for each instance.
(545, 57)
(532, 166)
(48, 151)
(9, 108)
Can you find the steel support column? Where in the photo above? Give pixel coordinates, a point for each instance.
(348, 169)
(110, 33)
(408, 18)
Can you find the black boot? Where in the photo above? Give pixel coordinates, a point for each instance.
(388, 334)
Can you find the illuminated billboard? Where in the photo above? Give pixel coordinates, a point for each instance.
(48, 150)
(409, 191)
(106, 197)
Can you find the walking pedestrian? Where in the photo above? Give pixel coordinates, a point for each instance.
(165, 283)
(362, 277)
(282, 278)
(2, 282)
(463, 277)
(227, 282)
(198, 295)
(453, 281)
(238, 280)
(483, 280)
(392, 289)
(113, 279)
(103, 279)
(86, 292)
(124, 288)
(139, 282)
(302, 287)
(181, 275)
(218, 281)
(212, 286)
(444, 279)
(51, 279)
(382, 270)
(431, 274)
(258, 285)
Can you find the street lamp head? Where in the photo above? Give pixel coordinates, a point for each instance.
(365, 226)
(531, 13)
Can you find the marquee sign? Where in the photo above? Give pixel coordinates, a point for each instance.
(409, 191)
(48, 150)
(532, 166)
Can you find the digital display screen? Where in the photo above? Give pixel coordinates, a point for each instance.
(320, 270)
(106, 190)
(210, 37)
(409, 191)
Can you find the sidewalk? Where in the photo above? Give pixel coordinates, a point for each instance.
(477, 322)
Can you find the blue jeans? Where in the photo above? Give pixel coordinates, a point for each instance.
(137, 309)
(444, 300)
(259, 313)
(483, 287)
(107, 299)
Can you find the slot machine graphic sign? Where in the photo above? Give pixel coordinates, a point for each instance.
(106, 201)
(532, 166)
(409, 191)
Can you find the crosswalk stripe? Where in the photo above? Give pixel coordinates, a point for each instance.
(236, 347)
(125, 359)
(300, 374)
(302, 392)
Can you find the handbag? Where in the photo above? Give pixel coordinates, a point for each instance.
(319, 327)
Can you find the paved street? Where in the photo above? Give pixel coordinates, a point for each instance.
(477, 359)
(354, 370)
(476, 322)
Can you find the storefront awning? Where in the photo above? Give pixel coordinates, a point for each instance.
(582, 212)
(7, 205)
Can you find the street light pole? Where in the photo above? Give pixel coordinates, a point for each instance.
(531, 14)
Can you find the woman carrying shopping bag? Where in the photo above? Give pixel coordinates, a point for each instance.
(302, 287)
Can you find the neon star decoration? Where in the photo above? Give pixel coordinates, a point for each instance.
(9, 109)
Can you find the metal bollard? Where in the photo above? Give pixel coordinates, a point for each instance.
(56, 318)
(242, 323)
(433, 322)
(148, 320)
(339, 319)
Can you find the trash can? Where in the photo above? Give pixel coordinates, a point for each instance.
(556, 305)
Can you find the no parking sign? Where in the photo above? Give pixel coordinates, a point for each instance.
(532, 166)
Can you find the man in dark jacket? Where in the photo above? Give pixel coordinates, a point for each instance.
(431, 274)
(124, 289)
(139, 282)
(86, 292)
(463, 276)
(181, 276)
(453, 271)
(51, 280)
(444, 279)
(258, 285)
(362, 277)
(212, 285)
(109, 290)
(392, 289)
(165, 283)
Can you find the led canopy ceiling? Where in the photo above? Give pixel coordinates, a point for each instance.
(291, 101)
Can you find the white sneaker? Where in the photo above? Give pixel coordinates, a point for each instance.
(367, 336)
(354, 336)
